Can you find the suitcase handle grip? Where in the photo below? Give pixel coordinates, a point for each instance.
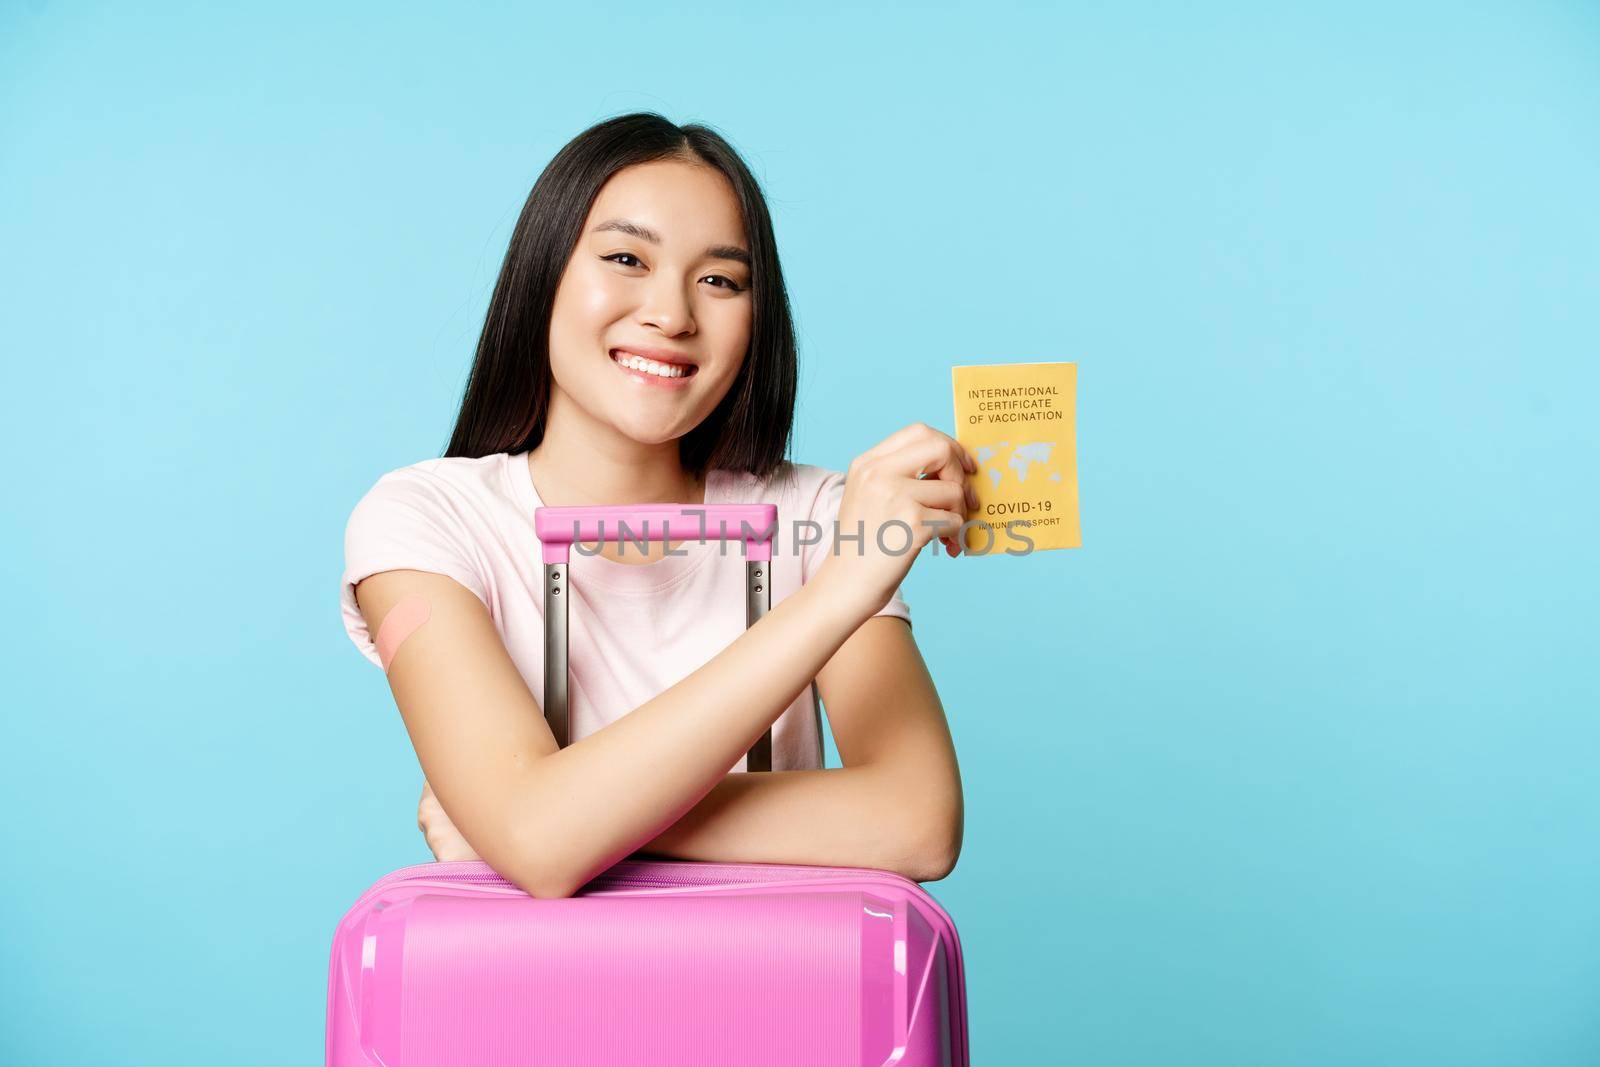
(754, 524)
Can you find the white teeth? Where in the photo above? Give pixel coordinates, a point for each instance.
(650, 366)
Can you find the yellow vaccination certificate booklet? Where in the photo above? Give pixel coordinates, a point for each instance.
(1019, 421)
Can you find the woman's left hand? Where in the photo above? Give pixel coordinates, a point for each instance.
(441, 834)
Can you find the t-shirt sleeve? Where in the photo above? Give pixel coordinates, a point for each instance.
(825, 512)
(403, 523)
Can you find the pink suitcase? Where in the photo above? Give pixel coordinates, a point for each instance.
(659, 963)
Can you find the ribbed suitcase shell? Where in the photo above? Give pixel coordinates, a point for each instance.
(666, 964)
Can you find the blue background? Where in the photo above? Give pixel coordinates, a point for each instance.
(1293, 762)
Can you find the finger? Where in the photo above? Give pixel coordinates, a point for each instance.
(968, 460)
(937, 457)
(946, 525)
(938, 493)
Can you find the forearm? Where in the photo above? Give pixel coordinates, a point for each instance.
(584, 807)
(839, 817)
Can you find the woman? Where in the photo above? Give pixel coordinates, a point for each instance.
(638, 348)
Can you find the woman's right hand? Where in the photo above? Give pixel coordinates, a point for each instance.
(911, 480)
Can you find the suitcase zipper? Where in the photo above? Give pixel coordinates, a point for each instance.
(643, 873)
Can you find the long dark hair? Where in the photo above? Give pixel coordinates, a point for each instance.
(507, 396)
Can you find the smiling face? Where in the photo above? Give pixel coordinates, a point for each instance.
(653, 315)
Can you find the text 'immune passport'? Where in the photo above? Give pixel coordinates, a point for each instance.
(1019, 421)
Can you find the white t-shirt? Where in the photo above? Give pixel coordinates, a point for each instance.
(635, 629)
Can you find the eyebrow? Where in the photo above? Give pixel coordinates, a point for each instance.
(643, 233)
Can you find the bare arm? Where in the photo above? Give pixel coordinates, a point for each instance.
(550, 819)
(895, 804)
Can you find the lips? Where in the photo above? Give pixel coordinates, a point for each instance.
(654, 363)
(653, 375)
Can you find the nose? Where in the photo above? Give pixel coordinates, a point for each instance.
(667, 307)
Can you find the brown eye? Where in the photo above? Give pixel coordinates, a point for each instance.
(732, 286)
(616, 257)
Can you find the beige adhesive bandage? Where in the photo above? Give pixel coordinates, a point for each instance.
(401, 622)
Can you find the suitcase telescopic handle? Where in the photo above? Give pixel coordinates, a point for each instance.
(557, 529)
